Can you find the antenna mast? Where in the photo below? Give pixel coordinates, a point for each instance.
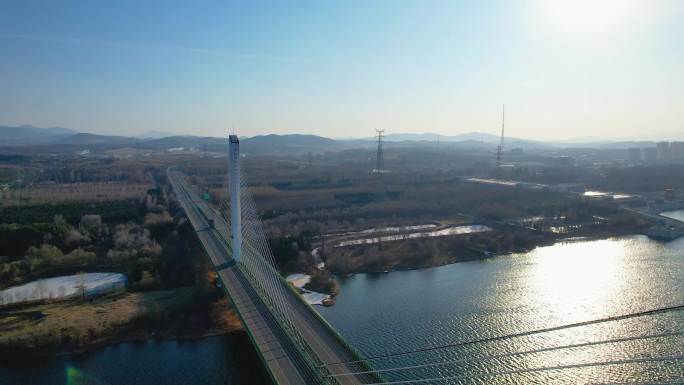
(499, 150)
(379, 160)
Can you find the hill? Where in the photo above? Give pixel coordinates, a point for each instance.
(27, 135)
(429, 137)
(84, 139)
(58, 139)
(155, 135)
(289, 143)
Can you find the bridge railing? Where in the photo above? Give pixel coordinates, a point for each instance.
(316, 366)
(340, 339)
(266, 295)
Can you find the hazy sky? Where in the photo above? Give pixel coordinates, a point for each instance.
(564, 68)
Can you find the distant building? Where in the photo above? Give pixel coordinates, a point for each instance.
(634, 155)
(663, 149)
(651, 154)
(677, 150)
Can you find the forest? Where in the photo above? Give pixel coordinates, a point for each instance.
(147, 239)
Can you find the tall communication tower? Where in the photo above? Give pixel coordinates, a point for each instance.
(499, 150)
(379, 161)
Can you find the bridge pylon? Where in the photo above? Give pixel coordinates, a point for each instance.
(235, 204)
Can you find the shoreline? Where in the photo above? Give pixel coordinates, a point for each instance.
(97, 345)
(108, 321)
(135, 331)
(481, 257)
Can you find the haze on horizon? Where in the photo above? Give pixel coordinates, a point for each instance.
(565, 69)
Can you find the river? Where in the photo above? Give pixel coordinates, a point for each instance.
(564, 283)
(677, 214)
(209, 361)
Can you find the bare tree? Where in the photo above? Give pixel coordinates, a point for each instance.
(81, 285)
(42, 288)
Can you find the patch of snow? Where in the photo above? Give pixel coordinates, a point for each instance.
(314, 298)
(395, 229)
(298, 280)
(454, 230)
(311, 297)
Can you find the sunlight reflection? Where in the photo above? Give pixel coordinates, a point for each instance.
(584, 279)
(579, 274)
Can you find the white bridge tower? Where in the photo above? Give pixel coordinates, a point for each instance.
(234, 185)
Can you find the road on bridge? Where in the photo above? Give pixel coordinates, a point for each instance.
(283, 360)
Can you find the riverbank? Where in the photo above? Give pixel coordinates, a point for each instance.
(420, 253)
(409, 254)
(319, 288)
(568, 282)
(76, 327)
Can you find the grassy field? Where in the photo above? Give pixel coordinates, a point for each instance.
(77, 326)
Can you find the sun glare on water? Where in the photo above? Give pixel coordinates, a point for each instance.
(581, 275)
(590, 16)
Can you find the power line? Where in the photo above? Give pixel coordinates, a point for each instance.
(518, 353)
(635, 360)
(522, 334)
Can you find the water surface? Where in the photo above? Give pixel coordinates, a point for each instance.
(384, 313)
(550, 286)
(209, 361)
(677, 214)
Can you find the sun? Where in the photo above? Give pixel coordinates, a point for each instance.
(590, 16)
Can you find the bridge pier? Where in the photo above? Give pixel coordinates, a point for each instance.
(235, 204)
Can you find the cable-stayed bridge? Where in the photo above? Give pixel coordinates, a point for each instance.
(296, 345)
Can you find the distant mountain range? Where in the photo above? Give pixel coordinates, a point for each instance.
(155, 135)
(470, 137)
(31, 131)
(477, 136)
(55, 138)
(52, 138)
(85, 139)
(32, 135)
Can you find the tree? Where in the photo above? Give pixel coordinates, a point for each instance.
(79, 257)
(147, 280)
(75, 238)
(90, 224)
(42, 289)
(81, 285)
(60, 227)
(43, 255)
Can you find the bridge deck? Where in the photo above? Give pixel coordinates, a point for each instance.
(279, 354)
